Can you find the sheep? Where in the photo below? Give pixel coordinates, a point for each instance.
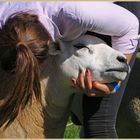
(48, 119)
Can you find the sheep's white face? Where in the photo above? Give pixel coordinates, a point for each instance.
(107, 64)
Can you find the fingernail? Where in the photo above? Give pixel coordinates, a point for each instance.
(73, 79)
(87, 71)
(92, 94)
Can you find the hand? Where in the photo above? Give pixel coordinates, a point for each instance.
(94, 88)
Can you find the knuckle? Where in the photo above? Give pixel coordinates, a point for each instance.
(89, 94)
(107, 91)
(113, 92)
(81, 87)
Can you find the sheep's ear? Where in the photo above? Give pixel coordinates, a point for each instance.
(54, 49)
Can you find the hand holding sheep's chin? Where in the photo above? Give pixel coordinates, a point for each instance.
(94, 88)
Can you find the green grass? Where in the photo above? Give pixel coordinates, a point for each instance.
(72, 131)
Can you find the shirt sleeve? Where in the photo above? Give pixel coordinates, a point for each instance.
(100, 17)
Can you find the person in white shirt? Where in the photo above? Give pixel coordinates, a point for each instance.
(65, 21)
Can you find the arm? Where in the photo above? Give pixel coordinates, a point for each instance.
(121, 36)
(101, 17)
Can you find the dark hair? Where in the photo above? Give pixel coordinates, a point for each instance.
(24, 43)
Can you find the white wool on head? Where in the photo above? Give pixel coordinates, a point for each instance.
(94, 54)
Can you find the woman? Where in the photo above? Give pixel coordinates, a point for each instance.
(66, 21)
(94, 124)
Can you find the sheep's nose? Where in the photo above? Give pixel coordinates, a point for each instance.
(121, 59)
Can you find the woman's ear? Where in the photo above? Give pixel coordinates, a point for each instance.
(54, 49)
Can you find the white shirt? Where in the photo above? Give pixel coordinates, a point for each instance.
(69, 20)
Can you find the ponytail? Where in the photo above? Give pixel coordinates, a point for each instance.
(24, 44)
(27, 83)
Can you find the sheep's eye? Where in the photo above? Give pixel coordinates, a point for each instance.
(79, 46)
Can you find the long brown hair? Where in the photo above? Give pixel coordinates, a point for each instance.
(24, 43)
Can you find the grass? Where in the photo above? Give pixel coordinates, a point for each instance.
(72, 130)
